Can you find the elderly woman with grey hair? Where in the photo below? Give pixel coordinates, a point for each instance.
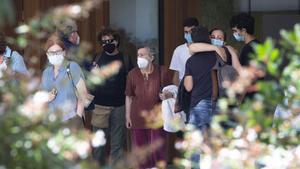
(143, 88)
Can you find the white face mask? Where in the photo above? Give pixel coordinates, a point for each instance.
(142, 62)
(56, 59)
(3, 66)
(78, 40)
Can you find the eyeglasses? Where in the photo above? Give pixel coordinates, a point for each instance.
(55, 52)
(108, 41)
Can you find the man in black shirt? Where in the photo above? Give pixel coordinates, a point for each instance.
(198, 80)
(242, 26)
(109, 113)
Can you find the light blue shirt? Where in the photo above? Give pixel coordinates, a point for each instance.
(65, 100)
(16, 61)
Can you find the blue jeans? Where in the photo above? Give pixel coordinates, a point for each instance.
(201, 116)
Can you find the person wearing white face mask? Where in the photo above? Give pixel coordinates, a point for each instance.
(63, 79)
(143, 87)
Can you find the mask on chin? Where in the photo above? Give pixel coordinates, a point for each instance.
(109, 48)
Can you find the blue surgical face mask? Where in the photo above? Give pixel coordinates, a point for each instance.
(188, 37)
(238, 37)
(217, 42)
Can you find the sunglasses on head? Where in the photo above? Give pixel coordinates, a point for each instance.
(109, 41)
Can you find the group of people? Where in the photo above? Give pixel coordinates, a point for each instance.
(198, 62)
(126, 96)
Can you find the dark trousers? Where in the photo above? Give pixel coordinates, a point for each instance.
(116, 133)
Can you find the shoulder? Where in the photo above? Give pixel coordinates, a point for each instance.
(74, 65)
(230, 48)
(16, 54)
(134, 71)
(163, 68)
(181, 48)
(17, 57)
(190, 59)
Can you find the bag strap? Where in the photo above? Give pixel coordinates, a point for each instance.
(74, 87)
(71, 78)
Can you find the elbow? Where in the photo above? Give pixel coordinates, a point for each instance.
(188, 86)
(188, 83)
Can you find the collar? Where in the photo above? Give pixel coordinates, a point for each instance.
(63, 66)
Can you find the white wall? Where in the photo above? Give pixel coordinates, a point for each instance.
(138, 17)
(266, 5)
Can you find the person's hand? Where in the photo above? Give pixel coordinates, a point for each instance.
(52, 95)
(165, 95)
(95, 65)
(128, 122)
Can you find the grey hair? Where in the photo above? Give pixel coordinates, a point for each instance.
(151, 50)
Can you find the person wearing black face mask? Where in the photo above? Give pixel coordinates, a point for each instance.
(109, 46)
(110, 97)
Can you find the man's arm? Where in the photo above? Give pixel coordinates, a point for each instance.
(235, 59)
(188, 83)
(205, 47)
(176, 78)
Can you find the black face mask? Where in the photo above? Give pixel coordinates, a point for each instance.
(109, 48)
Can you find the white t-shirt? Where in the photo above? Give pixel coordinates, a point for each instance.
(179, 58)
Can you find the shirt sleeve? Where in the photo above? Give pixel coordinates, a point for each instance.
(129, 91)
(166, 76)
(76, 72)
(188, 70)
(18, 64)
(175, 60)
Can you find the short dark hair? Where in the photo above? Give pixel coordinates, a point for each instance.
(215, 29)
(243, 20)
(191, 21)
(108, 32)
(200, 35)
(3, 43)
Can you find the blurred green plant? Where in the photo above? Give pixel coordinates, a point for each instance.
(30, 136)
